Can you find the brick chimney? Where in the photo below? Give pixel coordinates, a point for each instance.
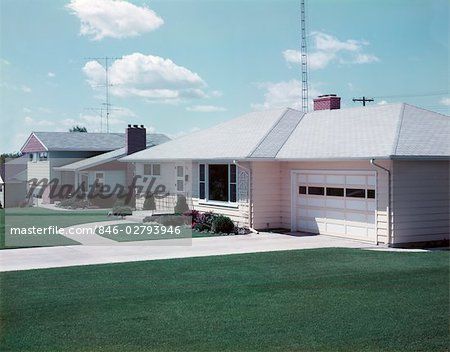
(135, 138)
(327, 102)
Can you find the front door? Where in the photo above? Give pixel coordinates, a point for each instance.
(180, 183)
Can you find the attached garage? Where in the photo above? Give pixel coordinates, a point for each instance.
(341, 203)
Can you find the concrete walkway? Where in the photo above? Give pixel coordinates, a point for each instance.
(54, 257)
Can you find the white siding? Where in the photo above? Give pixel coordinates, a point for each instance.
(272, 191)
(420, 193)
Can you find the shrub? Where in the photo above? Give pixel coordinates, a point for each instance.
(222, 224)
(149, 203)
(166, 220)
(1, 205)
(194, 215)
(204, 222)
(74, 203)
(122, 211)
(181, 206)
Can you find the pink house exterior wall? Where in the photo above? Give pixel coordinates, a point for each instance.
(33, 145)
(271, 191)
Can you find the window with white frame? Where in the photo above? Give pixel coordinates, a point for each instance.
(152, 170)
(218, 182)
(100, 178)
(43, 156)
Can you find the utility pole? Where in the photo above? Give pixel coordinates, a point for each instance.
(104, 61)
(304, 57)
(364, 100)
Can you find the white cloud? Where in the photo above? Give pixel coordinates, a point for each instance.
(283, 94)
(147, 76)
(382, 102)
(328, 49)
(445, 101)
(25, 89)
(41, 123)
(26, 110)
(113, 18)
(5, 62)
(51, 74)
(205, 108)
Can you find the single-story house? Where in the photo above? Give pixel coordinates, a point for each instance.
(377, 173)
(87, 156)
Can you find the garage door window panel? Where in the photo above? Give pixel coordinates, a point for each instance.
(355, 192)
(316, 191)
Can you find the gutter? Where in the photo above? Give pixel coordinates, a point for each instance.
(372, 162)
(250, 205)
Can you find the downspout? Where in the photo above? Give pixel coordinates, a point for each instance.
(372, 162)
(250, 205)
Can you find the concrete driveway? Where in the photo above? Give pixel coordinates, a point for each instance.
(54, 257)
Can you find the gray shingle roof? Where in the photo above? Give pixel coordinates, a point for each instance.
(380, 131)
(109, 156)
(78, 141)
(234, 139)
(271, 144)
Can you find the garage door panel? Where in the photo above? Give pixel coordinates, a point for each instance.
(320, 179)
(316, 202)
(335, 215)
(335, 203)
(335, 179)
(338, 213)
(355, 180)
(356, 204)
(357, 217)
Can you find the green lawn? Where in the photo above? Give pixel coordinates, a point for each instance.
(40, 217)
(310, 300)
(130, 232)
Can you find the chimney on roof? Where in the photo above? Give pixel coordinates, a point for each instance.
(135, 138)
(327, 102)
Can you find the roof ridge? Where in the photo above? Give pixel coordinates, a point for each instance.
(398, 130)
(268, 132)
(292, 131)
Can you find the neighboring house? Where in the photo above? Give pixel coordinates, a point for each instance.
(378, 174)
(104, 168)
(14, 182)
(48, 151)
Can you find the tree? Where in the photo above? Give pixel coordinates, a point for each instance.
(78, 129)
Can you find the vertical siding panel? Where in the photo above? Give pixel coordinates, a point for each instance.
(420, 201)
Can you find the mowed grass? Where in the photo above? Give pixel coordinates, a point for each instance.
(310, 300)
(130, 232)
(42, 218)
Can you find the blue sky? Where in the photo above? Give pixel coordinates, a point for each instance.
(191, 64)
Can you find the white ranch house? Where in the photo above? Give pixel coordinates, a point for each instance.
(378, 173)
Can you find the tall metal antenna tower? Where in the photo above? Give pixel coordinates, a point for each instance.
(104, 61)
(304, 58)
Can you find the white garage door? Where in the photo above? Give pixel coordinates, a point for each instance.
(338, 203)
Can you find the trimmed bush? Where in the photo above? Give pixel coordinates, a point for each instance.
(181, 207)
(74, 203)
(149, 203)
(166, 220)
(122, 211)
(222, 224)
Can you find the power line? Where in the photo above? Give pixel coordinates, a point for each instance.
(425, 94)
(364, 100)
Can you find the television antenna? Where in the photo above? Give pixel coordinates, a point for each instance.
(100, 111)
(304, 57)
(105, 62)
